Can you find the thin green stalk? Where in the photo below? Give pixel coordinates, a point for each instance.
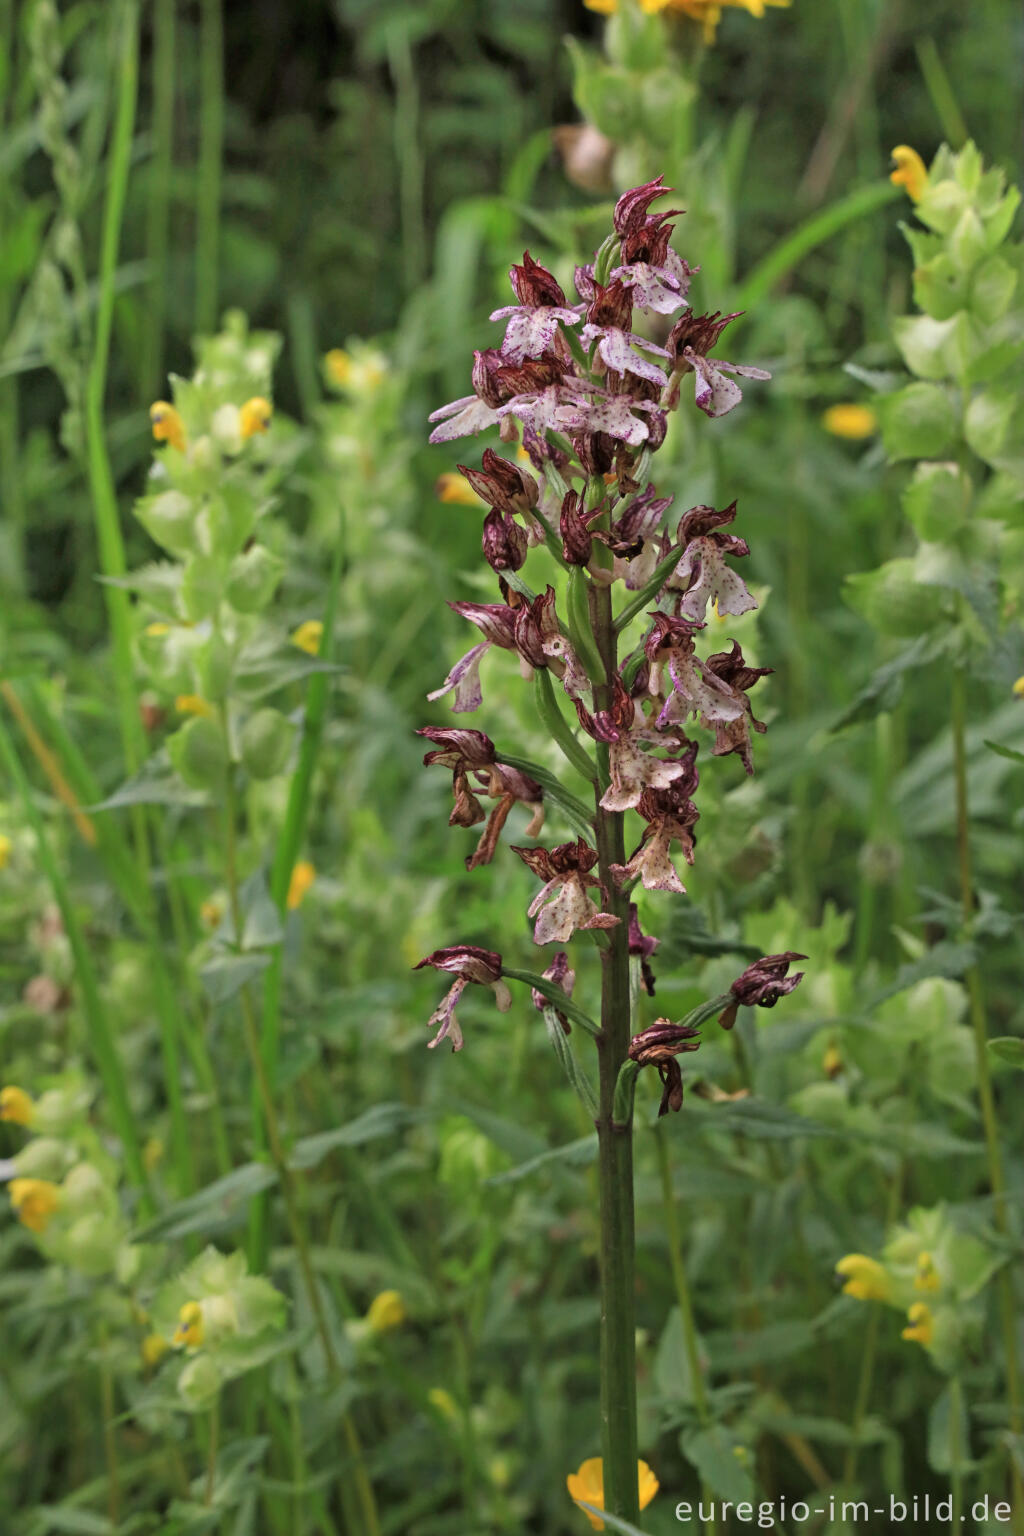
(683, 1299)
(101, 478)
(869, 1351)
(208, 171)
(979, 1025)
(940, 89)
(615, 1144)
(956, 1455)
(100, 1036)
(211, 1452)
(409, 153)
(289, 843)
(286, 1178)
(158, 212)
(109, 1435)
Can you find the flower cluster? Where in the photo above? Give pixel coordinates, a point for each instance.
(586, 393)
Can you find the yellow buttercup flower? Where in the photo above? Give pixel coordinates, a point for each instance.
(168, 426)
(386, 1312)
(189, 1332)
(850, 420)
(15, 1105)
(5, 850)
(34, 1202)
(152, 1349)
(866, 1280)
(302, 878)
(588, 1485)
(910, 171)
(922, 1324)
(927, 1276)
(254, 416)
(308, 636)
(456, 490)
(192, 704)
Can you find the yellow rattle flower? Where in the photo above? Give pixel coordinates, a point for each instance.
(254, 416)
(34, 1202)
(588, 1485)
(910, 171)
(303, 876)
(850, 420)
(152, 1349)
(386, 1312)
(922, 1324)
(168, 426)
(865, 1278)
(15, 1105)
(5, 850)
(192, 704)
(308, 636)
(189, 1332)
(927, 1276)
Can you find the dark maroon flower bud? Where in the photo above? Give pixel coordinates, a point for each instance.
(700, 521)
(458, 746)
(467, 964)
(659, 1046)
(761, 985)
(487, 369)
(643, 945)
(534, 285)
(504, 543)
(638, 522)
(657, 429)
(496, 621)
(609, 725)
(576, 540)
(669, 633)
(562, 976)
(643, 237)
(536, 622)
(698, 332)
(630, 214)
(501, 484)
(612, 305)
(595, 451)
(542, 452)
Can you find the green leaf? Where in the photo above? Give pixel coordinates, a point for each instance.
(562, 1048)
(65, 1521)
(918, 422)
(988, 420)
(555, 995)
(672, 1374)
(716, 1455)
(156, 783)
(1008, 1048)
(576, 1154)
(944, 959)
(936, 501)
(884, 688)
(1010, 753)
(158, 583)
(575, 812)
(949, 1432)
(378, 1121)
(226, 975)
(611, 1522)
(217, 1208)
(933, 349)
(263, 668)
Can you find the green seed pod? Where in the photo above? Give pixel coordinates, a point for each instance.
(266, 743)
(201, 587)
(199, 753)
(170, 519)
(214, 665)
(253, 578)
(894, 601)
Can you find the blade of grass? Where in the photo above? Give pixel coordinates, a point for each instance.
(158, 212)
(940, 89)
(100, 1037)
(208, 173)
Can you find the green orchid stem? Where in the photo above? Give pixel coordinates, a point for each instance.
(683, 1299)
(286, 1178)
(615, 1144)
(979, 1025)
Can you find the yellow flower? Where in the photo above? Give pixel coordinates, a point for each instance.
(922, 1324)
(456, 490)
(210, 913)
(192, 704)
(358, 375)
(34, 1202)
(5, 850)
(254, 416)
(15, 1105)
(910, 171)
(189, 1332)
(708, 12)
(927, 1276)
(386, 1312)
(865, 1278)
(157, 629)
(850, 420)
(588, 1485)
(832, 1062)
(308, 636)
(168, 426)
(302, 878)
(153, 1348)
(443, 1401)
(1018, 690)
